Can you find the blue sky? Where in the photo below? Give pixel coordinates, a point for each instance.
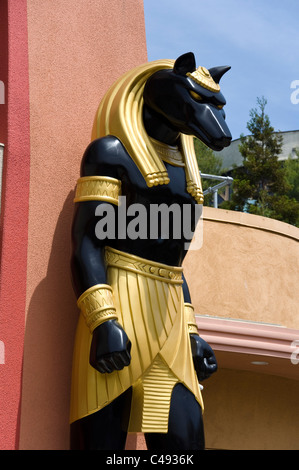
(258, 39)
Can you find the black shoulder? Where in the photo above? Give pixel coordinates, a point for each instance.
(104, 156)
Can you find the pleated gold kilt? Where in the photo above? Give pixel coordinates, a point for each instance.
(149, 302)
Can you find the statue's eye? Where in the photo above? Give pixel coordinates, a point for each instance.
(220, 106)
(195, 95)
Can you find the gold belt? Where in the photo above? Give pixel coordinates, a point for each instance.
(136, 264)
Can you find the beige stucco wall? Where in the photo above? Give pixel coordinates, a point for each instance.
(247, 268)
(248, 411)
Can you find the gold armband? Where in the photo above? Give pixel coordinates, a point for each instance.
(98, 188)
(190, 319)
(97, 306)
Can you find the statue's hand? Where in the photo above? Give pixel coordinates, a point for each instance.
(204, 359)
(110, 347)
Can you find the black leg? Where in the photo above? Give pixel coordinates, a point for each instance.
(105, 429)
(185, 428)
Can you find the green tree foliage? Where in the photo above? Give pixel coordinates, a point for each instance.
(208, 163)
(292, 175)
(261, 186)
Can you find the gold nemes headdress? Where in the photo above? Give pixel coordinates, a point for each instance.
(120, 114)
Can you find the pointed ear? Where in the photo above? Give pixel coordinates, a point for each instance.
(217, 72)
(185, 63)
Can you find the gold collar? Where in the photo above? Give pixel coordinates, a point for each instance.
(169, 153)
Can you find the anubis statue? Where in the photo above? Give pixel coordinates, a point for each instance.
(138, 357)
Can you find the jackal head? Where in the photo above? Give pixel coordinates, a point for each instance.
(190, 100)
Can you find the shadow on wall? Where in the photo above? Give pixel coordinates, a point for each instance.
(49, 336)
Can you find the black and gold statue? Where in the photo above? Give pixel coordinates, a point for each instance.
(138, 356)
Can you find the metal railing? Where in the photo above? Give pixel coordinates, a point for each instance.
(225, 181)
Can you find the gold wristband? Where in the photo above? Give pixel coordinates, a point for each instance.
(97, 306)
(190, 319)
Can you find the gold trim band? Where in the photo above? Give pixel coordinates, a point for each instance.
(97, 305)
(203, 77)
(190, 318)
(159, 271)
(168, 153)
(192, 330)
(98, 188)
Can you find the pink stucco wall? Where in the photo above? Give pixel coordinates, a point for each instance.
(62, 57)
(3, 68)
(76, 50)
(14, 215)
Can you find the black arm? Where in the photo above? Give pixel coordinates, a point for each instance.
(204, 359)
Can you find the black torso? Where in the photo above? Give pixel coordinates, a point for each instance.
(108, 157)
